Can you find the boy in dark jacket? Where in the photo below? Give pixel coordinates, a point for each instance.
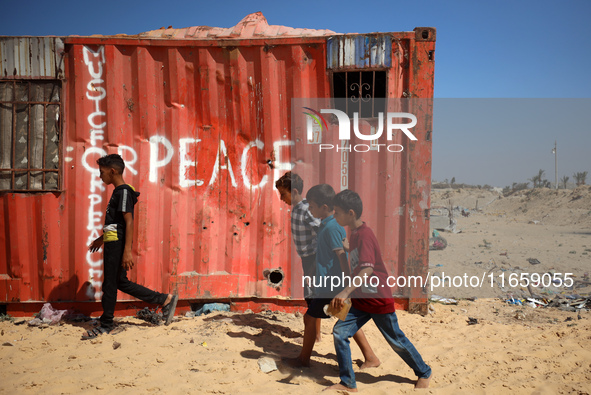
(117, 239)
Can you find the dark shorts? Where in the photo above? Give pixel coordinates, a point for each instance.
(316, 308)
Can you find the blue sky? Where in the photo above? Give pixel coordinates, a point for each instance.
(494, 49)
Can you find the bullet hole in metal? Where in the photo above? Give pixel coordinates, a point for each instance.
(425, 34)
(274, 277)
(247, 223)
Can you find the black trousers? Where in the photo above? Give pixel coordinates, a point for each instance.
(115, 278)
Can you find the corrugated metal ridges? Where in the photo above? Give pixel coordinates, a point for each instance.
(252, 26)
(359, 51)
(203, 229)
(31, 57)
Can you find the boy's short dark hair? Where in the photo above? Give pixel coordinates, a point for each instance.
(321, 194)
(349, 200)
(290, 181)
(113, 161)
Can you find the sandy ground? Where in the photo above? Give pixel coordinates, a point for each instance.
(542, 235)
(512, 349)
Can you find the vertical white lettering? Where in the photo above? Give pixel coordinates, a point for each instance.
(94, 86)
(96, 183)
(97, 114)
(94, 61)
(96, 135)
(346, 148)
(89, 151)
(94, 278)
(94, 217)
(89, 62)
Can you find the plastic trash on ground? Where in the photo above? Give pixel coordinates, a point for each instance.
(209, 307)
(441, 299)
(48, 315)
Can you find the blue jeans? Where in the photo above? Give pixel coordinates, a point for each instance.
(388, 325)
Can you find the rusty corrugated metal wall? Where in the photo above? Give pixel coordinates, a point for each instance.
(32, 57)
(204, 127)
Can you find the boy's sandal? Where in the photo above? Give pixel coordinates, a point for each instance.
(95, 332)
(168, 310)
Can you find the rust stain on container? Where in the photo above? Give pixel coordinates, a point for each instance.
(201, 117)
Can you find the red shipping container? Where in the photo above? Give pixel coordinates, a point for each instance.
(202, 117)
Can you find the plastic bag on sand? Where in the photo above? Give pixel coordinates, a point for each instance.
(209, 307)
(48, 315)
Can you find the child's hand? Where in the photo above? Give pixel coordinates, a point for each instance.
(339, 301)
(127, 261)
(96, 244)
(346, 244)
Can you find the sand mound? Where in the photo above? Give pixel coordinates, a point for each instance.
(470, 198)
(561, 207)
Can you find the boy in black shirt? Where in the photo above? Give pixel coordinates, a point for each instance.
(117, 239)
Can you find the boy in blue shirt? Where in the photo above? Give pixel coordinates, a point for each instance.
(372, 299)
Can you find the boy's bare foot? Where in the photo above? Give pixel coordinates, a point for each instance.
(423, 383)
(340, 387)
(371, 363)
(296, 363)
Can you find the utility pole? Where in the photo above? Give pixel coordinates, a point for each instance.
(554, 151)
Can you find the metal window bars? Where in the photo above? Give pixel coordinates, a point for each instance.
(359, 89)
(30, 129)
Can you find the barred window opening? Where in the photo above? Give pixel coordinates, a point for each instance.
(360, 88)
(30, 126)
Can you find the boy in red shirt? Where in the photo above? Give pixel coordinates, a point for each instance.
(371, 300)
